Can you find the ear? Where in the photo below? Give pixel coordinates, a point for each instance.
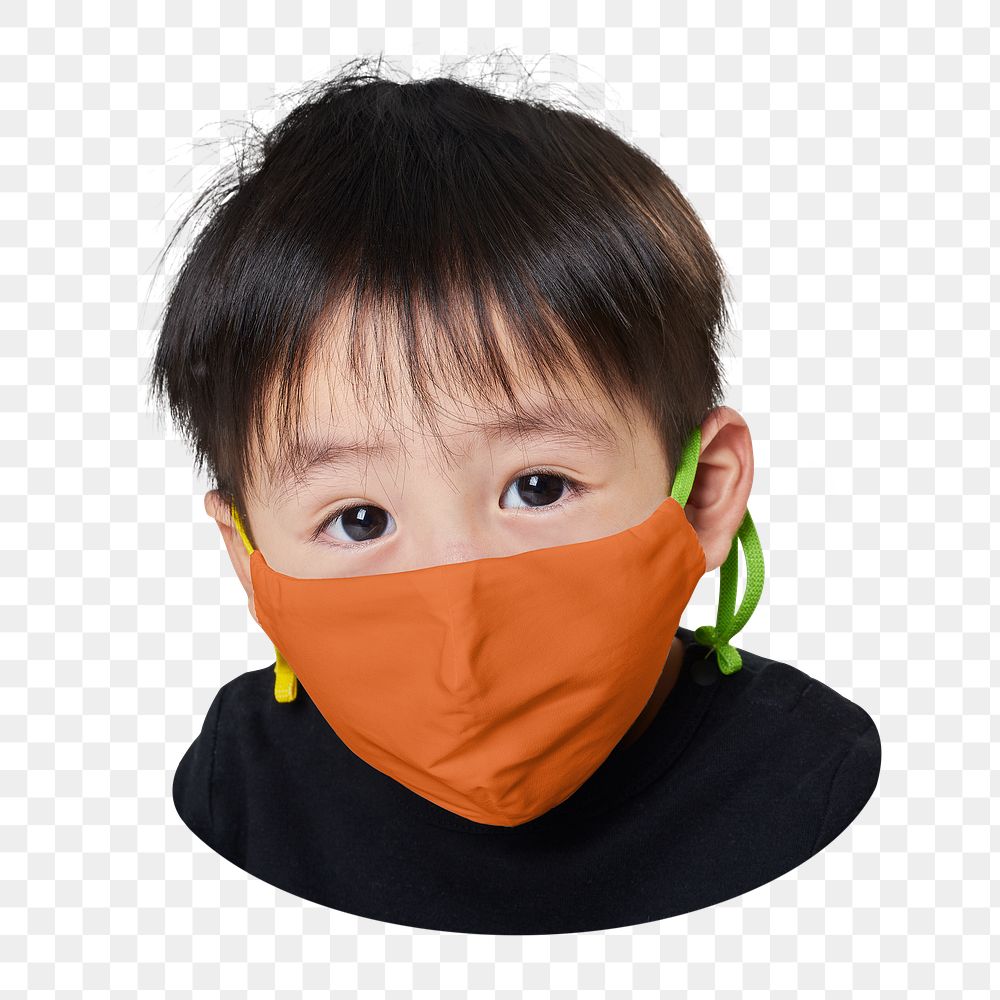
(218, 510)
(722, 483)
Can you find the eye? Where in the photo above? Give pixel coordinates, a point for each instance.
(359, 523)
(355, 525)
(542, 488)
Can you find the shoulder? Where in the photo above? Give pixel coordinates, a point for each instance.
(769, 688)
(803, 746)
(214, 771)
(829, 731)
(825, 715)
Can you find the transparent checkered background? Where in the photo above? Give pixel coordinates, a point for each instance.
(840, 157)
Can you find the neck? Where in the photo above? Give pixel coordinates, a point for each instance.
(668, 678)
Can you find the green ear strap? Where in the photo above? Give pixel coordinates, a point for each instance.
(286, 684)
(727, 622)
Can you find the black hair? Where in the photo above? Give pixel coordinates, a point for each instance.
(430, 214)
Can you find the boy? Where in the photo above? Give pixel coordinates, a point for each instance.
(453, 363)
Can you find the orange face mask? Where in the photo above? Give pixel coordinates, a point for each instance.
(493, 687)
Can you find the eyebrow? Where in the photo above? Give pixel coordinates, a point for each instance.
(565, 423)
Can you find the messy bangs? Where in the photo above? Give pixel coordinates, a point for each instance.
(457, 235)
(466, 343)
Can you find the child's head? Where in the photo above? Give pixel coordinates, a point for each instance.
(484, 287)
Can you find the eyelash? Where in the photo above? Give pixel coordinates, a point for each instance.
(574, 489)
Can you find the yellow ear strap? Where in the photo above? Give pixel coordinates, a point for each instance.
(286, 685)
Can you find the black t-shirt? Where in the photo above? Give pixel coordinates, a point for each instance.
(737, 780)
